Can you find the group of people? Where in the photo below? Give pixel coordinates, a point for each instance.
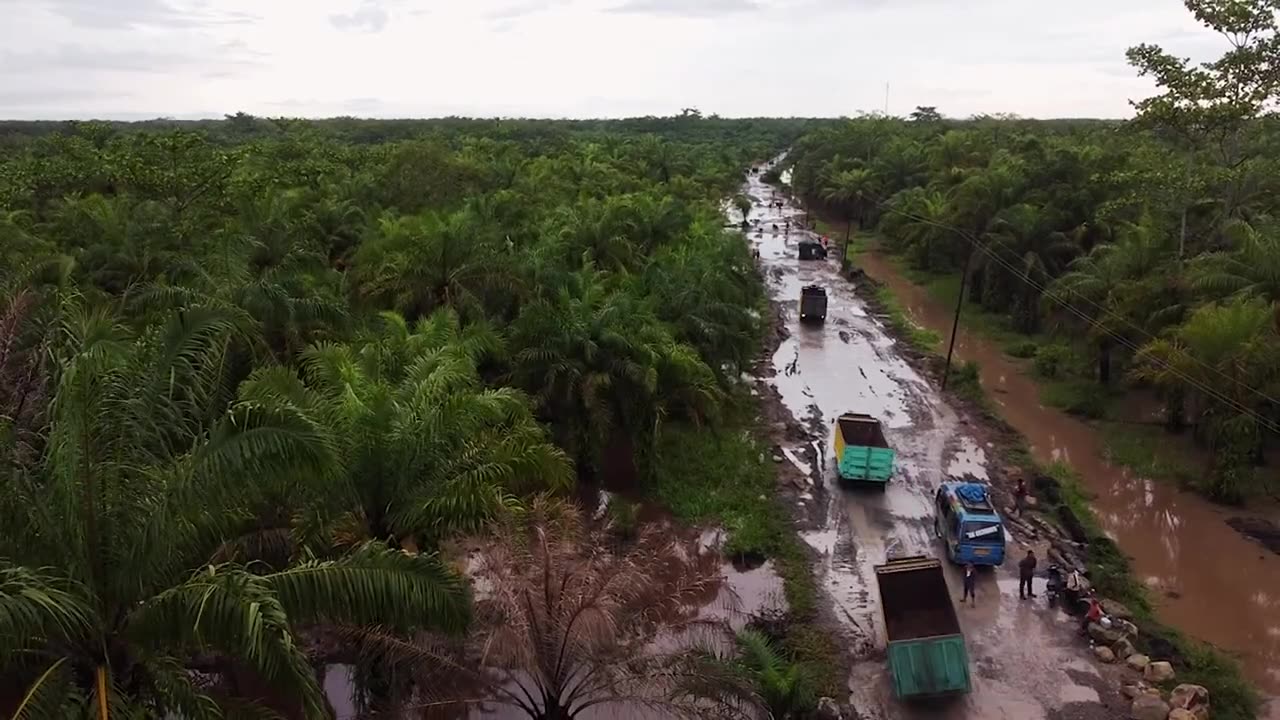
(1070, 587)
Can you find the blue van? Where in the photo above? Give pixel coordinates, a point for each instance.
(968, 524)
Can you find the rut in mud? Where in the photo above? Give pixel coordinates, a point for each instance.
(1026, 660)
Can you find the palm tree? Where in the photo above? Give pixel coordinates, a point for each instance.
(922, 218)
(1219, 359)
(1116, 287)
(115, 584)
(1251, 269)
(415, 264)
(854, 192)
(1020, 236)
(426, 449)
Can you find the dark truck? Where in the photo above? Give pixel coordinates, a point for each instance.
(927, 655)
(812, 250)
(813, 304)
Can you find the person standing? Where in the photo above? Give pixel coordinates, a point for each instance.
(1020, 496)
(1026, 571)
(970, 583)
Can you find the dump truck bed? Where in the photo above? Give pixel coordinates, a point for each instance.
(862, 453)
(926, 650)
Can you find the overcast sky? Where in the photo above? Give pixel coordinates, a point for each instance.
(133, 59)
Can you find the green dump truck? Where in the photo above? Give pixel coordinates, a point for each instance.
(927, 656)
(862, 453)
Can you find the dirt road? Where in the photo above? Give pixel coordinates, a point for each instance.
(1026, 661)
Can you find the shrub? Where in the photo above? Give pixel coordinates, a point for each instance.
(1022, 349)
(1051, 360)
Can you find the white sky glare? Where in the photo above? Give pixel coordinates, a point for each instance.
(134, 59)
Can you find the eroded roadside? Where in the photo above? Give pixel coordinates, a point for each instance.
(1027, 660)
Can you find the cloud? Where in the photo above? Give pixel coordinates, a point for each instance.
(370, 16)
(92, 59)
(687, 8)
(128, 14)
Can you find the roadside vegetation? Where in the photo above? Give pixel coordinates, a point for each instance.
(1138, 255)
(258, 376)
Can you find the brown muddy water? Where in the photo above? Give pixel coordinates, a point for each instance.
(1026, 661)
(1207, 580)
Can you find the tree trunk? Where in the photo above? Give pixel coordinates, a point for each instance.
(1175, 420)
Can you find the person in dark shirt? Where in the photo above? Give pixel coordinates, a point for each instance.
(1026, 571)
(970, 582)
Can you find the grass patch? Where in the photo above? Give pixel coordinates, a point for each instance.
(725, 478)
(965, 380)
(721, 478)
(1022, 349)
(1084, 398)
(1232, 696)
(902, 324)
(1146, 450)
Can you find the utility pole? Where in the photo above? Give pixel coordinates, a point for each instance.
(955, 324)
(886, 99)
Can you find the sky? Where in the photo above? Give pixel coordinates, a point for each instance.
(137, 59)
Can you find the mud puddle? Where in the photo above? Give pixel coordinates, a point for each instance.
(1021, 652)
(1207, 579)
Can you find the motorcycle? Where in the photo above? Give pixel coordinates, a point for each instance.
(1055, 585)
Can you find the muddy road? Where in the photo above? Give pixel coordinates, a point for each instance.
(1026, 661)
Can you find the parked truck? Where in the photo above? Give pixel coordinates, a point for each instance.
(862, 453)
(927, 655)
(812, 250)
(813, 304)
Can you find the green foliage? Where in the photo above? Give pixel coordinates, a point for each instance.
(1146, 450)
(1051, 360)
(920, 338)
(1023, 349)
(965, 380)
(1077, 397)
(245, 362)
(784, 686)
(720, 477)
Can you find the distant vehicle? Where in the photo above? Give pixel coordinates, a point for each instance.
(927, 655)
(968, 524)
(813, 304)
(812, 250)
(862, 453)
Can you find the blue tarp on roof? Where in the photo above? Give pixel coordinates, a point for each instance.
(972, 493)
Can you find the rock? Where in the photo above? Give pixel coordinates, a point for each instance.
(1104, 636)
(1123, 649)
(1148, 707)
(828, 709)
(1104, 653)
(1124, 626)
(777, 458)
(1158, 672)
(1137, 661)
(1116, 609)
(1194, 699)
(1132, 690)
(1180, 714)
